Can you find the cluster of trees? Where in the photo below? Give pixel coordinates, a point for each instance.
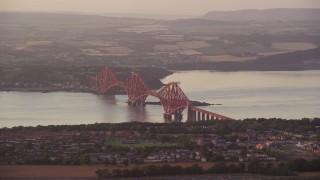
(286, 168)
(268, 169)
(303, 165)
(222, 168)
(167, 170)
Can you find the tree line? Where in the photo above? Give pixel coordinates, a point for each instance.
(212, 126)
(167, 170)
(287, 168)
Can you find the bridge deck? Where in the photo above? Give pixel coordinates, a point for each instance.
(210, 113)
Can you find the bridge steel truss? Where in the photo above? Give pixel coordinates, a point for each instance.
(171, 96)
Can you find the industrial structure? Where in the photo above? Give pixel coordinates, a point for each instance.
(171, 96)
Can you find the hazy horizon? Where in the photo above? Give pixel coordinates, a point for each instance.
(164, 7)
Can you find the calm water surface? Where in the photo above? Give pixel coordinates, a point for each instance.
(242, 95)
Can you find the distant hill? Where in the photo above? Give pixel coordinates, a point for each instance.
(197, 22)
(152, 16)
(59, 18)
(297, 60)
(265, 15)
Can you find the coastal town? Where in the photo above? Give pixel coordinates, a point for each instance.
(81, 144)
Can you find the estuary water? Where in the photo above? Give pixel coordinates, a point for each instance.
(294, 95)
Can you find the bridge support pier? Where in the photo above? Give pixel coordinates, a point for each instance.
(192, 115)
(203, 117)
(176, 117)
(167, 117)
(136, 103)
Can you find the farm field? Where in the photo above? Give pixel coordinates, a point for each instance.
(67, 171)
(116, 50)
(189, 52)
(193, 44)
(38, 43)
(293, 46)
(274, 53)
(166, 47)
(88, 171)
(144, 28)
(48, 171)
(92, 52)
(225, 58)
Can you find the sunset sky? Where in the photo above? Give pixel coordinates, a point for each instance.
(174, 7)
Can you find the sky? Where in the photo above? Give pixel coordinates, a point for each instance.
(170, 7)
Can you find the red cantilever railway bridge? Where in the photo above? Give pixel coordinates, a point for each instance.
(172, 98)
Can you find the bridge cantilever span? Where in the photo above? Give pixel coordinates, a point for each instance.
(137, 89)
(106, 80)
(171, 96)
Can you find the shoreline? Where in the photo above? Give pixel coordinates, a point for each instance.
(44, 90)
(88, 90)
(163, 122)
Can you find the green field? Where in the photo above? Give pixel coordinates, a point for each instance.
(172, 135)
(14, 60)
(139, 145)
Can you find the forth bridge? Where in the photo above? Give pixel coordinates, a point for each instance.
(171, 96)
